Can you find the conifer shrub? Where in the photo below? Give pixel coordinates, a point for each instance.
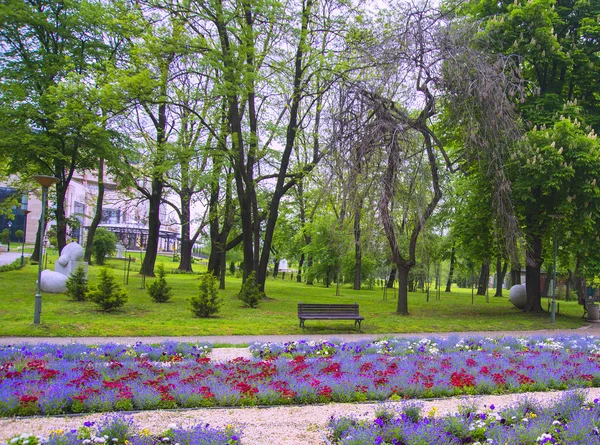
(249, 293)
(108, 294)
(232, 268)
(77, 284)
(159, 290)
(104, 244)
(208, 302)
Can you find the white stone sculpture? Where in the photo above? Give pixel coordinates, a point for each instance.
(70, 258)
(518, 296)
(53, 282)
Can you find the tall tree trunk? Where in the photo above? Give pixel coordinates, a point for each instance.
(532, 274)
(451, 272)
(309, 275)
(154, 202)
(290, 140)
(185, 259)
(300, 264)
(61, 222)
(500, 274)
(223, 265)
(35, 256)
(391, 278)
(97, 214)
(403, 272)
(484, 278)
(276, 266)
(357, 248)
(515, 275)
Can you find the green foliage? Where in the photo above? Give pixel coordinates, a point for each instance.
(108, 294)
(104, 244)
(4, 236)
(232, 268)
(208, 302)
(159, 290)
(15, 265)
(249, 294)
(77, 285)
(19, 234)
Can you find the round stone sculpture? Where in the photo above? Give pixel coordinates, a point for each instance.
(518, 296)
(53, 282)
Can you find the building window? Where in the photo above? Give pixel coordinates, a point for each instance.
(111, 216)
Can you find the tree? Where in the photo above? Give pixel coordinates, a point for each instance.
(418, 56)
(555, 47)
(50, 122)
(104, 245)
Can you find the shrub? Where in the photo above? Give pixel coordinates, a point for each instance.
(108, 295)
(77, 284)
(159, 290)
(208, 301)
(232, 268)
(4, 236)
(19, 234)
(249, 293)
(104, 244)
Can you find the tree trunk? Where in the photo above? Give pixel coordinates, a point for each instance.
(357, 249)
(484, 278)
(276, 267)
(153, 228)
(391, 279)
(300, 264)
(500, 274)
(223, 265)
(309, 275)
(97, 215)
(61, 223)
(515, 275)
(35, 256)
(185, 260)
(532, 274)
(402, 307)
(451, 271)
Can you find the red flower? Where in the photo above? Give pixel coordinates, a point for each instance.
(27, 399)
(462, 379)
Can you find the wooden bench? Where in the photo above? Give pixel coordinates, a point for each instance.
(313, 311)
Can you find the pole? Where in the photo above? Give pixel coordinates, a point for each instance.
(38, 297)
(26, 212)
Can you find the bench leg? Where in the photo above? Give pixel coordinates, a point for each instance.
(302, 323)
(357, 322)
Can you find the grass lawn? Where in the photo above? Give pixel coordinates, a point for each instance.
(62, 317)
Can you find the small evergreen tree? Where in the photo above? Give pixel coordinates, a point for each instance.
(77, 284)
(208, 301)
(19, 234)
(104, 244)
(232, 268)
(108, 294)
(159, 290)
(249, 293)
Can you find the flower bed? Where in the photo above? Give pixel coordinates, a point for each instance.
(116, 429)
(57, 379)
(569, 421)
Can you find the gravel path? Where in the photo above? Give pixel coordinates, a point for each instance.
(283, 425)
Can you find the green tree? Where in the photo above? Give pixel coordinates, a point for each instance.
(77, 284)
(159, 290)
(104, 245)
(49, 119)
(555, 47)
(208, 302)
(108, 294)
